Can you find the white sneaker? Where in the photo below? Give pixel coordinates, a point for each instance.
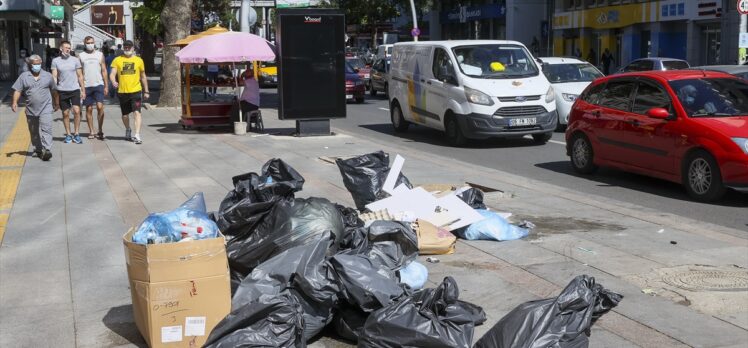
(136, 139)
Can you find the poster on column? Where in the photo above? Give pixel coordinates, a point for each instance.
(107, 15)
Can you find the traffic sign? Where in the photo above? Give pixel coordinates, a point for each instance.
(415, 32)
(743, 6)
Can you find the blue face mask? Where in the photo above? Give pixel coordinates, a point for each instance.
(36, 68)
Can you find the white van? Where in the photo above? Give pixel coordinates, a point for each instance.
(384, 51)
(471, 89)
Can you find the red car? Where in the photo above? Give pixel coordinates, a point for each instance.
(689, 127)
(354, 86)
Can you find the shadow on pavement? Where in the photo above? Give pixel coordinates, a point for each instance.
(19, 153)
(437, 138)
(120, 321)
(611, 177)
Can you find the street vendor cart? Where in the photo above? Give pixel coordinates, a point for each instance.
(210, 66)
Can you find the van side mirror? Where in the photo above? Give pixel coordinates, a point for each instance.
(658, 113)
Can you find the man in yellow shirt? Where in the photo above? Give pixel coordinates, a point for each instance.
(130, 70)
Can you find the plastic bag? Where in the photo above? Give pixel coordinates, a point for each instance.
(472, 197)
(561, 322)
(365, 284)
(364, 176)
(493, 227)
(268, 322)
(392, 244)
(254, 195)
(428, 318)
(288, 224)
(188, 221)
(301, 272)
(414, 275)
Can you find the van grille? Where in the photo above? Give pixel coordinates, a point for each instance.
(514, 111)
(514, 99)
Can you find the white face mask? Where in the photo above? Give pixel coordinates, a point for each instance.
(129, 52)
(90, 47)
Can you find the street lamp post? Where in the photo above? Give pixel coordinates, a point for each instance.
(415, 20)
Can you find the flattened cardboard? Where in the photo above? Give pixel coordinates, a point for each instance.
(161, 309)
(433, 240)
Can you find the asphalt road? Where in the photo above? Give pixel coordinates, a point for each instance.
(547, 163)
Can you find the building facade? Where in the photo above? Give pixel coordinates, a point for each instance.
(703, 32)
(526, 21)
(31, 25)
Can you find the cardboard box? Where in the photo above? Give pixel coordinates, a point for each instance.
(180, 291)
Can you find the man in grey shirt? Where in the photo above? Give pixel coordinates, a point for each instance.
(68, 72)
(38, 87)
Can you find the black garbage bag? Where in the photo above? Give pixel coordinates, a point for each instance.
(561, 322)
(350, 216)
(427, 318)
(473, 197)
(349, 322)
(392, 244)
(254, 195)
(289, 224)
(268, 322)
(365, 283)
(364, 176)
(301, 272)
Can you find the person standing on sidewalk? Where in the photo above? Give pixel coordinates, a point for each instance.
(38, 87)
(97, 86)
(21, 62)
(130, 70)
(68, 73)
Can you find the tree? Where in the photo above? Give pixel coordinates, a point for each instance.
(373, 12)
(148, 19)
(175, 19)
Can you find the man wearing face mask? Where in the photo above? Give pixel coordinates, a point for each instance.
(130, 70)
(21, 62)
(37, 86)
(95, 76)
(68, 72)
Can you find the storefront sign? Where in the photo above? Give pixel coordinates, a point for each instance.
(107, 15)
(470, 13)
(57, 13)
(608, 17)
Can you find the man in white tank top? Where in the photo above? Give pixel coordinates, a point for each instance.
(97, 85)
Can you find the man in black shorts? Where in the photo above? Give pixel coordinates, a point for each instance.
(128, 76)
(68, 74)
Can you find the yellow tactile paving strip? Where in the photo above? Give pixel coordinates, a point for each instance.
(12, 159)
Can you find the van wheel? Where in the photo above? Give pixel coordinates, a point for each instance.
(372, 91)
(398, 122)
(702, 178)
(542, 138)
(454, 133)
(582, 155)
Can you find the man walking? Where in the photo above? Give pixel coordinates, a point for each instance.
(606, 60)
(68, 73)
(97, 86)
(130, 70)
(37, 87)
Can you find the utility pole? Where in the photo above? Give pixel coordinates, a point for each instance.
(741, 32)
(415, 20)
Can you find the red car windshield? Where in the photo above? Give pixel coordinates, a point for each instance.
(712, 97)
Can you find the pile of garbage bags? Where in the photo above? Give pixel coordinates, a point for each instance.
(300, 265)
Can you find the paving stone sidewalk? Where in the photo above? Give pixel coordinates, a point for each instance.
(63, 280)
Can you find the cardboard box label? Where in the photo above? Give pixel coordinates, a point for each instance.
(171, 334)
(194, 326)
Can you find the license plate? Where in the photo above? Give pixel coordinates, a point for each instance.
(348, 96)
(530, 121)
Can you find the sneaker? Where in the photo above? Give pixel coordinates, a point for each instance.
(136, 139)
(68, 138)
(77, 139)
(46, 155)
(128, 134)
(100, 136)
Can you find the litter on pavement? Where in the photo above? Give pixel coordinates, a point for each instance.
(291, 267)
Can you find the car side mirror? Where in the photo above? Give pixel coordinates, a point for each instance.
(658, 113)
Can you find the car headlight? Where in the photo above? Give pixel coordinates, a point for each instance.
(550, 95)
(570, 97)
(477, 97)
(742, 144)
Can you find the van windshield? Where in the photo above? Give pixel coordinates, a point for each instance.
(498, 61)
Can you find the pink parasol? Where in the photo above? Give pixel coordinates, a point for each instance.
(227, 48)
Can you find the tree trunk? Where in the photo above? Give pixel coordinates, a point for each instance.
(375, 32)
(176, 21)
(148, 52)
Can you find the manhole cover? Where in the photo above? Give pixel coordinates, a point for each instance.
(708, 280)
